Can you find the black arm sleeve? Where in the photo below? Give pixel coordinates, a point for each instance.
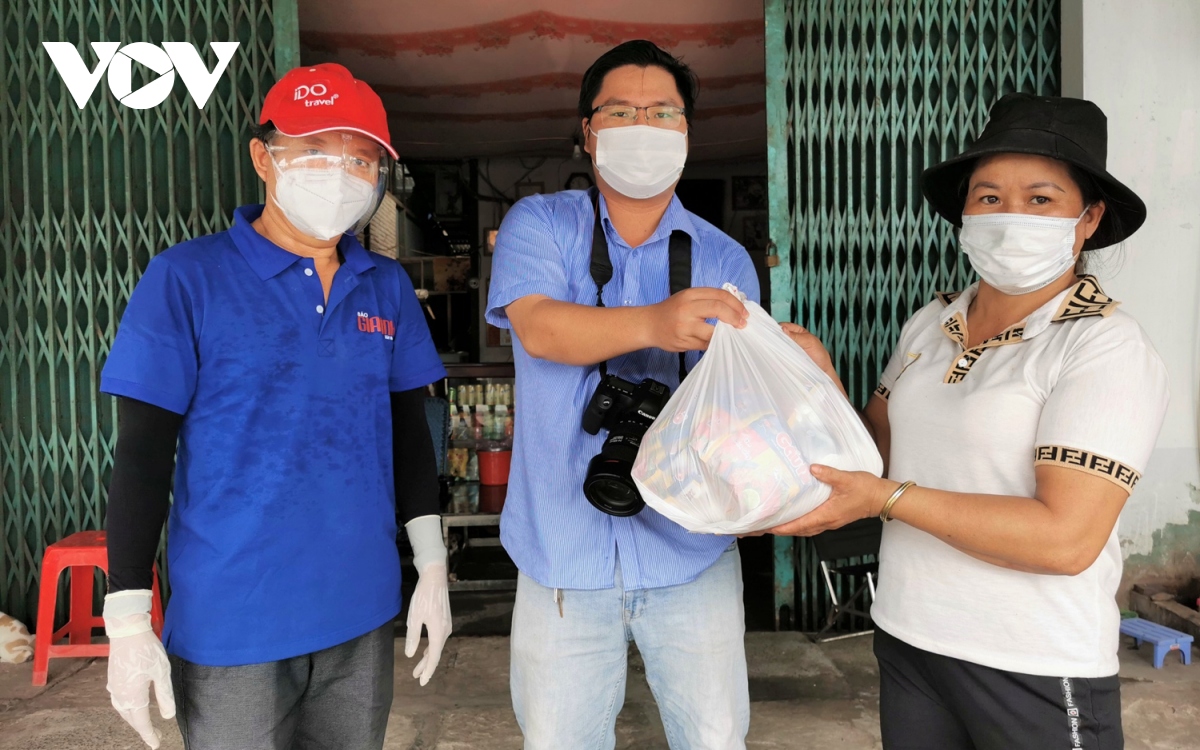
(413, 459)
(139, 493)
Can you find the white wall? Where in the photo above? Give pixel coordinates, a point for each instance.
(1141, 65)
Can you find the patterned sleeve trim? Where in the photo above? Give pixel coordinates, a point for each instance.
(883, 392)
(1087, 461)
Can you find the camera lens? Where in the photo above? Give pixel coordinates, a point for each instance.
(615, 495)
(609, 485)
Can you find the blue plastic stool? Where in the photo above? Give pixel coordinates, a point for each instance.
(1163, 638)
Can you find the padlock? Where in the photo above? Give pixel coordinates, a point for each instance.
(772, 256)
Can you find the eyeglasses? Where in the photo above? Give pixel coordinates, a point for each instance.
(300, 156)
(618, 115)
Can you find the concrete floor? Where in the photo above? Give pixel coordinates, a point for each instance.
(804, 696)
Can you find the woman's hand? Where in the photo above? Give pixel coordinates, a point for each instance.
(815, 350)
(856, 494)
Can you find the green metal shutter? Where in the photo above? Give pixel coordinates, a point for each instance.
(88, 197)
(862, 95)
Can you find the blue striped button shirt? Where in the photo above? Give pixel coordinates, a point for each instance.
(548, 528)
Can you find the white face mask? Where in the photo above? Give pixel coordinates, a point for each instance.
(1019, 253)
(322, 203)
(640, 161)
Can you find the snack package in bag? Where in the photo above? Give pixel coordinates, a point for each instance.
(730, 452)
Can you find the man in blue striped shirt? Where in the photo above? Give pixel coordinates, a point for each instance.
(591, 582)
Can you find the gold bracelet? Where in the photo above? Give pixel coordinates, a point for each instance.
(885, 514)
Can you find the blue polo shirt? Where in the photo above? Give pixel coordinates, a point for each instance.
(282, 536)
(553, 534)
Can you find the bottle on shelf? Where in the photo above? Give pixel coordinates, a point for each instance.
(473, 467)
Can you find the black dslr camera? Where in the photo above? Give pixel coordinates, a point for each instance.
(626, 410)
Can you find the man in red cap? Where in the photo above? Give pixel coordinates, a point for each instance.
(286, 366)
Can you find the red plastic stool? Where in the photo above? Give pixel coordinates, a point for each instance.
(80, 552)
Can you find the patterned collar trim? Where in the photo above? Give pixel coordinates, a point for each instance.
(1085, 300)
(946, 297)
(955, 327)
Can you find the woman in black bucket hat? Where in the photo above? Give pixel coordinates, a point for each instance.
(1072, 131)
(1015, 418)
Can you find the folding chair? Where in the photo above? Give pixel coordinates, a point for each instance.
(855, 540)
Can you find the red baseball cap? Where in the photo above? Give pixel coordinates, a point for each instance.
(320, 98)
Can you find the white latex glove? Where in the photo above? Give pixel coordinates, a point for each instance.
(136, 660)
(430, 605)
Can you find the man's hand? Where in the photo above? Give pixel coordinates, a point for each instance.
(680, 323)
(583, 335)
(136, 660)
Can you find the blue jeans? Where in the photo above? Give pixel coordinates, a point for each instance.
(569, 665)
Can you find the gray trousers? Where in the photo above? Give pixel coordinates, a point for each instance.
(335, 699)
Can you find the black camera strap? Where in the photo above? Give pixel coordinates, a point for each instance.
(679, 258)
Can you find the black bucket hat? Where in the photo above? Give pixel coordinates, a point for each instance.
(1074, 131)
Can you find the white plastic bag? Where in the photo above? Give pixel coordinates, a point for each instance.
(730, 452)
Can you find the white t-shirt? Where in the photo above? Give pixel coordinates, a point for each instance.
(1078, 385)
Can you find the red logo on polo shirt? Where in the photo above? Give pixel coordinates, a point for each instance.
(368, 323)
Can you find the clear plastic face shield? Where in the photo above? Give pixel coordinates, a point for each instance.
(328, 184)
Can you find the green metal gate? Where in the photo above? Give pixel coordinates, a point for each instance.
(88, 196)
(862, 95)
